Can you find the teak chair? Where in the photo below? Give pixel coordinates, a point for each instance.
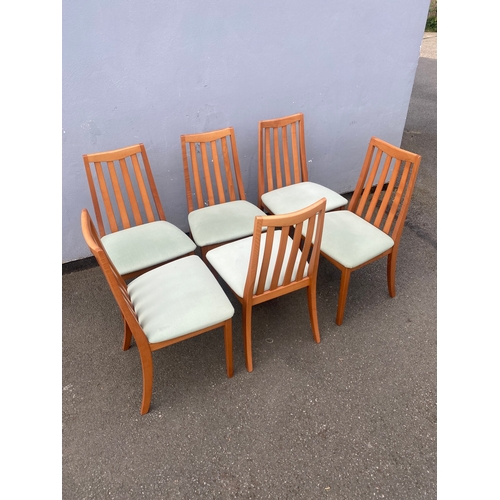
(171, 303)
(282, 168)
(136, 236)
(273, 263)
(371, 226)
(218, 210)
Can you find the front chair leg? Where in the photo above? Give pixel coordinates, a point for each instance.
(391, 273)
(313, 311)
(228, 342)
(247, 335)
(344, 286)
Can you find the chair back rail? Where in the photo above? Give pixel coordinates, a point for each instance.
(281, 153)
(211, 168)
(385, 186)
(123, 188)
(283, 265)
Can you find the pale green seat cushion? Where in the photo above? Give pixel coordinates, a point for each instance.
(147, 245)
(352, 241)
(297, 196)
(178, 298)
(223, 222)
(231, 262)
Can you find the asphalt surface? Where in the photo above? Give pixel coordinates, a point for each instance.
(353, 417)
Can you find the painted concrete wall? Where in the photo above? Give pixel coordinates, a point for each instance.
(148, 71)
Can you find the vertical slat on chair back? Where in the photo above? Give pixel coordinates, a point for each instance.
(272, 260)
(211, 172)
(125, 190)
(385, 186)
(281, 153)
(115, 281)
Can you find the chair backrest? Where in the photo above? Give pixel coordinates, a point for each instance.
(121, 183)
(281, 153)
(115, 281)
(211, 168)
(385, 186)
(288, 258)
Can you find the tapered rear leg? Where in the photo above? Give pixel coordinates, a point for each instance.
(147, 378)
(313, 311)
(228, 343)
(344, 286)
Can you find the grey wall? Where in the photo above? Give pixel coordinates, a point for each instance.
(148, 71)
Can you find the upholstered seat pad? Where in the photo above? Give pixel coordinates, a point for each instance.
(140, 247)
(352, 241)
(231, 262)
(178, 298)
(223, 222)
(297, 196)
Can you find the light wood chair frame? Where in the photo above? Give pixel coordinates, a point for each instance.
(132, 327)
(219, 183)
(228, 184)
(276, 167)
(381, 197)
(291, 226)
(128, 197)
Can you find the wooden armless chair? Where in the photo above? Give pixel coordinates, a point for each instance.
(371, 227)
(273, 263)
(135, 234)
(166, 305)
(218, 210)
(282, 168)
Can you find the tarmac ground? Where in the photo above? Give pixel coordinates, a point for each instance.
(353, 417)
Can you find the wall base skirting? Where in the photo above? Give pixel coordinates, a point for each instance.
(79, 265)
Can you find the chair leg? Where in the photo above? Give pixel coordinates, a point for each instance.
(344, 286)
(204, 251)
(127, 336)
(228, 342)
(391, 273)
(247, 335)
(313, 312)
(147, 379)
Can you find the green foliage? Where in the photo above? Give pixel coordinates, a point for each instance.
(432, 24)
(432, 20)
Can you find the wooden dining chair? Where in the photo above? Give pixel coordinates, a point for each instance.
(218, 210)
(371, 226)
(283, 180)
(166, 305)
(130, 217)
(273, 263)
